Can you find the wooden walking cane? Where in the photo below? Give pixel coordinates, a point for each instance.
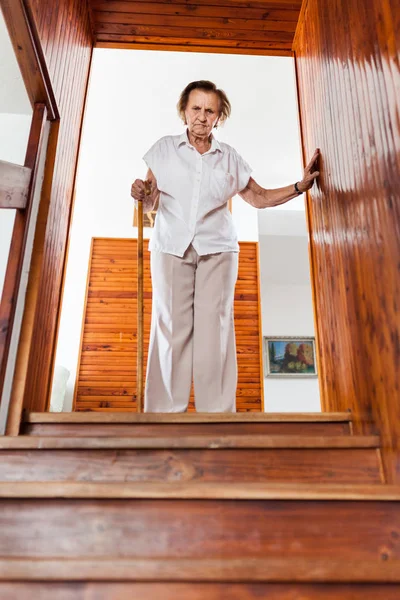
(140, 313)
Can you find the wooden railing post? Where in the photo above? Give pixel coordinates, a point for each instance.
(17, 190)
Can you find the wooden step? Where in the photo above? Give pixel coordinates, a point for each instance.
(228, 465)
(133, 417)
(268, 570)
(195, 441)
(201, 491)
(134, 425)
(199, 591)
(348, 525)
(346, 459)
(178, 429)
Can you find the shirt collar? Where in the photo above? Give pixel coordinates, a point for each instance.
(215, 145)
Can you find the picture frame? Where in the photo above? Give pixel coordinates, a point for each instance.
(149, 218)
(290, 357)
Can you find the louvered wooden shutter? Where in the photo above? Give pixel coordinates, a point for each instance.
(107, 363)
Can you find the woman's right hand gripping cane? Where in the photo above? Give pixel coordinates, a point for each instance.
(146, 192)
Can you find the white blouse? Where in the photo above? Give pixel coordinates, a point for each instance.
(194, 191)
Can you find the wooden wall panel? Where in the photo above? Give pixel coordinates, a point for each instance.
(107, 364)
(231, 26)
(347, 60)
(65, 37)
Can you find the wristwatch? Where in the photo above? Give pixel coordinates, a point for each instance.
(296, 187)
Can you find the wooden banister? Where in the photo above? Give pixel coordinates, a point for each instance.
(17, 190)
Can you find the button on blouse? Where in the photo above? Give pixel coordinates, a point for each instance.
(194, 193)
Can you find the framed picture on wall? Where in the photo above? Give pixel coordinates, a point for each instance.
(290, 357)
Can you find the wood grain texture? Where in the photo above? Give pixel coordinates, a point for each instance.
(199, 591)
(195, 441)
(65, 37)
(197, 465)
(107, 366)
(347, 58)
(173, 529)
(252, 570)
(167, 45)
(15, 410)
(129, 417)
(20, 247)
(171, 429)
(259, 27)
(199, 490)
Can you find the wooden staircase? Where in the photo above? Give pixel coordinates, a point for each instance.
(246, 506)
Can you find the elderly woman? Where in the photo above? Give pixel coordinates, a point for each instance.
(194, 254)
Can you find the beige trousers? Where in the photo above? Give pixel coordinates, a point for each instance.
(192, 333)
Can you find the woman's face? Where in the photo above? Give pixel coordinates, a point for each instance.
(202, 112)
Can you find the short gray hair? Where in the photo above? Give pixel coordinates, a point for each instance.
(207, 86)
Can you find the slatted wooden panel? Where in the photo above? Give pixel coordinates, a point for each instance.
(233, 26)
(65, 37)
(107, 365)
(347, 56)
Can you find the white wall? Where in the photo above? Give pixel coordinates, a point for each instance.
(13, 96)
(286, 303)
(14, 135)
(131, 103)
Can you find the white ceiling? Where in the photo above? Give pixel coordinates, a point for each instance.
(13, 96)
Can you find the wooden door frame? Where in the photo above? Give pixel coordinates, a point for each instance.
(25, 197)
(29, 52)
(17, 406)
(307, 207)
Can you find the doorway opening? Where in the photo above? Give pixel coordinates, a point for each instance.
(131, 103)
